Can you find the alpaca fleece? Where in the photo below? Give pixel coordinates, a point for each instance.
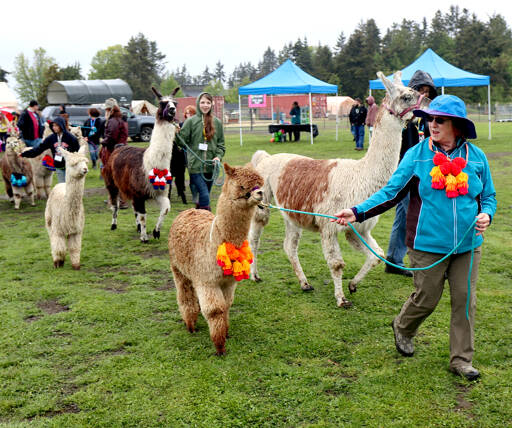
(194, 238)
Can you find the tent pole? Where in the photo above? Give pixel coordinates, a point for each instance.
(489, 101)
(442, 90)
(310, 118)
(240, 118)
(271, 108)
(337, 109)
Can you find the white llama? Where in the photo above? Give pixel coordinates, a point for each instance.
(140, 174)
(328, 185)
(64, 214)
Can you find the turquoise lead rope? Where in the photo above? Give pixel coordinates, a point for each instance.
(471, 227)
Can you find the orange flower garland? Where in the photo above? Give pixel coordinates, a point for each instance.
(447, 174)
(235, 261)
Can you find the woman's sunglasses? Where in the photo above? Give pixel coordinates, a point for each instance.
(438, 120)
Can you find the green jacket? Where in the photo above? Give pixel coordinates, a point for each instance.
(192, 135)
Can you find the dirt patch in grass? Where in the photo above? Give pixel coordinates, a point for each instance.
(168, 285)
(462, 404)
(32, 318)
(64, 408)
(154, 252)
(95, 191)
(52, 307)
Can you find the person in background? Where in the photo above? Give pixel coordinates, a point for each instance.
(61, 137)
(31, 125)
(450, 187)
(92, 131)
(373, 108)
(204, 135)
(357, 118)
(295, 119)
(179, 163)
(116, 133)
(415, 131)
(4, 130)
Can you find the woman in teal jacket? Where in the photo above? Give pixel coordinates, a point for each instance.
(203, 134)
(450, 185)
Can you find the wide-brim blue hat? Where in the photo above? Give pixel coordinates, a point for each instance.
(449, 106)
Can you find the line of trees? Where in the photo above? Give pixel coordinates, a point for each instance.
(458, 36)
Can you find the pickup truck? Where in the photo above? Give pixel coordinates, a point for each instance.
(140, 126)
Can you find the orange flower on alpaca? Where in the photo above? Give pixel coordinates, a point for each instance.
(447, 174)
(235, 261)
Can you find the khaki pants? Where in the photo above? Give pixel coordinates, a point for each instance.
(429, 286)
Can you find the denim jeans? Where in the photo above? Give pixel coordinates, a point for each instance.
(61, 175)
(203, 187)
(397, 248)
(33, 143)
(93, 151)
(359, 135)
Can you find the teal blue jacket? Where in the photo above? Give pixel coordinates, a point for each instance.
(435, 223)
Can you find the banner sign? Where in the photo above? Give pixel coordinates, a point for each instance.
(257, 101)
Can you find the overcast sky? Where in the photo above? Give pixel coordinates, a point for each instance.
(199, 33)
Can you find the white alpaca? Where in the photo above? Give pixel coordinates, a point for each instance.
(64, 215)
(128, 170)
(14, 166)
(328, 185)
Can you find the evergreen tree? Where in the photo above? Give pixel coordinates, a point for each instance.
(142, 66)
(268, 64)
(323, 63)
(206, 77)
(219, 73)
(71, 72)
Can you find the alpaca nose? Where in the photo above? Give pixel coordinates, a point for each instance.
(86, 170)
(258, 194)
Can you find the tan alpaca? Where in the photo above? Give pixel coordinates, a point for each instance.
(328, 185)
(194, 238)
(64, 214)
(11, 163)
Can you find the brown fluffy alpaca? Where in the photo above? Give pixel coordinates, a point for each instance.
(194, 239)
(127, 168)
(11, 163)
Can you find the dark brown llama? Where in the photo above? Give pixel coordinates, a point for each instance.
(129, 170)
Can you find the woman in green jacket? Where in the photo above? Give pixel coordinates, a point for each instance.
(203, 134)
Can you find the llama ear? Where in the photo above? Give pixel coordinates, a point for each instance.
(229, 170)
(397, 78)
(155, 91)
(175, 91)
(388, 84)
(62, 151)
(84, 149)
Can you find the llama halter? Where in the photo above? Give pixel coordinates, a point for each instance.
(159, 178)
(408, 109)
(235, 261)
(447, 174)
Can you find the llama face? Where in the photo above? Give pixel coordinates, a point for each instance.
(76, 163)
(13, 145)
(243, 185)
(166, 109)
(401, 100)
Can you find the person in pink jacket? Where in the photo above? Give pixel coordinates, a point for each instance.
(371, 116)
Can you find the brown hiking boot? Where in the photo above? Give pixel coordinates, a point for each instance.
(403, 343)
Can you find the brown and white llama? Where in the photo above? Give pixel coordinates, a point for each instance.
(196, 238)
(128, 170)
(64, 214)
(328, 185)
(14, 166)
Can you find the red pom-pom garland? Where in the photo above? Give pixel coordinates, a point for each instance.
(159, 178)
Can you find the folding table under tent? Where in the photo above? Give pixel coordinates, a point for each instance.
(288, 78)
(444, 75)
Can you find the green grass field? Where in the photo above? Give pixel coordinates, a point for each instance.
(105, 346)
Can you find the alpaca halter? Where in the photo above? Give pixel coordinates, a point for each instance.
(235, 261)
(159, 178)
(447, 173)
(407, 110)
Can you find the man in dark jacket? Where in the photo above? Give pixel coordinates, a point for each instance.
(60, 138)
(31, 125)
(357, 117)
(415, 131)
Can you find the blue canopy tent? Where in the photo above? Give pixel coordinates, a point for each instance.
(288, 78)
(444, 75)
